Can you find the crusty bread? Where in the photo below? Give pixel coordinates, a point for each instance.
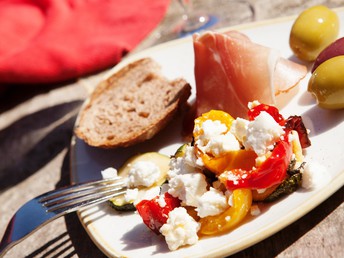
(131, 106)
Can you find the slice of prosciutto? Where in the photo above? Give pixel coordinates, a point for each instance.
(231, 70)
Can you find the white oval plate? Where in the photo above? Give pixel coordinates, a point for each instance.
(124, 235)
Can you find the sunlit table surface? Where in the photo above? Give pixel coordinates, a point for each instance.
(36, 126)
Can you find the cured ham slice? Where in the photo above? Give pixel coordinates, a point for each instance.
(231, 70)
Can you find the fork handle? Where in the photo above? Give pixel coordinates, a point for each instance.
(6, 242)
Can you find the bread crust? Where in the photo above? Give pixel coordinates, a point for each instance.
(131, 106)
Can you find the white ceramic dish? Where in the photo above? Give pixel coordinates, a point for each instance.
(124, 235)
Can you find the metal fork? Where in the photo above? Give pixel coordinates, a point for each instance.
(51, 205)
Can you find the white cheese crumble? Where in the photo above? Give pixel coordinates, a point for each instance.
(239, 128)
(221, 144)
(109, 173)
(314, 176)
(185, 182)
(228, 175)
(261, 159)
(180, 229)
(191, 158)
(188, 187)
(215, 139)
(147, 194)
(131, 195)
(179, 166)
(162, 201)
(253, 104)
(258, 135)
(211, 203)
(143, 173)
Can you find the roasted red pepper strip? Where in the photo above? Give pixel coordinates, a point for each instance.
(271, 172)
(273, 111)
(153, 215)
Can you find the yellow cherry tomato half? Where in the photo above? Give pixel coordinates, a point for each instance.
(214, 115)
(217, 164)
(240, 159)
(230, 218)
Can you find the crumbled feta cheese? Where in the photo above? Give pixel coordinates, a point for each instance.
(109, 173)
(211, 203)
(255, 211)
(261, 159)
(314, 176)
(211, 128)
(221, 144)
(143, 173)
(253, 104)
(239, 128)
(191, 159)
(228, 175)
(261, 133)
(147, 194)
(180, 229)
(215, 139)
(179, 166)
(161, 200)
(131, 194)
(188, 187)
(185, 182)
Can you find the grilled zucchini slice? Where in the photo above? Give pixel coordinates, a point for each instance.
(160, 160)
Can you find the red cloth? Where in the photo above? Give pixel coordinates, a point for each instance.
(48, 41)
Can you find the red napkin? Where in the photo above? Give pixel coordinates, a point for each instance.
(48, 41)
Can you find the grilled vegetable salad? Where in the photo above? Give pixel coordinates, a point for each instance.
(216, 181)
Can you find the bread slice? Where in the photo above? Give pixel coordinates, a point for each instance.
(131, 106)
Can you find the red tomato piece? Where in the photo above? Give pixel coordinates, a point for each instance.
(153, 215)
(273, 111)
(273, 170)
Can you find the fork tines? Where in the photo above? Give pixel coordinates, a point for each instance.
(71, 198)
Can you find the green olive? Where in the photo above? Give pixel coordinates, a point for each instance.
(313, 30)
(327, 83)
